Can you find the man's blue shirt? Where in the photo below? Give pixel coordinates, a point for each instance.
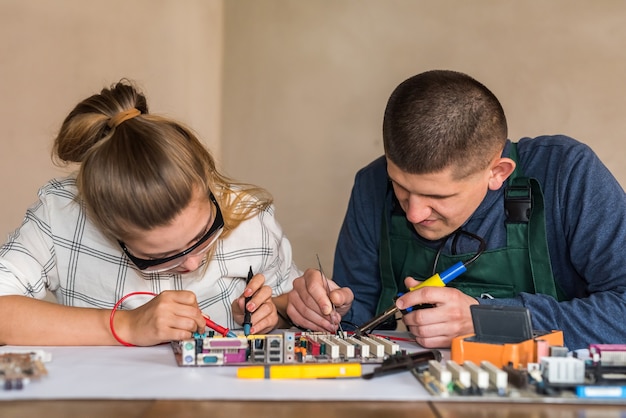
(585, 209)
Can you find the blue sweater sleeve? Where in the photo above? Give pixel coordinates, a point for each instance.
(356, 255)
(586, 233)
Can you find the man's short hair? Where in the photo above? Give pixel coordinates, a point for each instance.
(440, 118)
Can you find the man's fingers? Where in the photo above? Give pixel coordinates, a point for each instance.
(305, 317)
(341, 297)
(317, 288)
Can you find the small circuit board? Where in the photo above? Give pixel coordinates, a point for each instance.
(282, 348)
(559, 375)
(506, 357)
(17, 369)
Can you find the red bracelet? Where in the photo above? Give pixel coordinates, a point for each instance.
(119, 302)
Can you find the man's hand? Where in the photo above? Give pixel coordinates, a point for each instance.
(310, 306)
(436, 327)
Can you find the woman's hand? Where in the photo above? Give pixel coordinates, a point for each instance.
(172, 315)
(261, 305)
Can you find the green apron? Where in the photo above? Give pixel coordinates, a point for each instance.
(522, 266)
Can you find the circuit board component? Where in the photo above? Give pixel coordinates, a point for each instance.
(284, 347)
(19, 369)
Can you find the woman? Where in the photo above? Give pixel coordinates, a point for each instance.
(147, 215)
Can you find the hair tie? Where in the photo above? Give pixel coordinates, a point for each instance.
(117, 120)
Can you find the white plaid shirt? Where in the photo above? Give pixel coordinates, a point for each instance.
(58, 249)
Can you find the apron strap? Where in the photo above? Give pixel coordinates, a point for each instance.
(524, 205)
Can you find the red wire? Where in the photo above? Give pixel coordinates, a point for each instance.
(119, 302)
(222, 330)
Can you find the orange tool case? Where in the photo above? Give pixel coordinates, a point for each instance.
(503, 335)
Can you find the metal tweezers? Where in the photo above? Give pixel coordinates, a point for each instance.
(319, 263)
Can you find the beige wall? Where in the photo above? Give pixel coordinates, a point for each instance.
(55, 53)
(304, 83)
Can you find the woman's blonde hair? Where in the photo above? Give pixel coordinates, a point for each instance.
(138, 170)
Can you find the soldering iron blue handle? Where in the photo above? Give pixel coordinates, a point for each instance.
(453, 272)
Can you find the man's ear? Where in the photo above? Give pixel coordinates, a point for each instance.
(501, 169)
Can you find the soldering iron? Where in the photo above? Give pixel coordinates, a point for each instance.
(436, 280)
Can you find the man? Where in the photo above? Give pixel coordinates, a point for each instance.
(551, 215)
